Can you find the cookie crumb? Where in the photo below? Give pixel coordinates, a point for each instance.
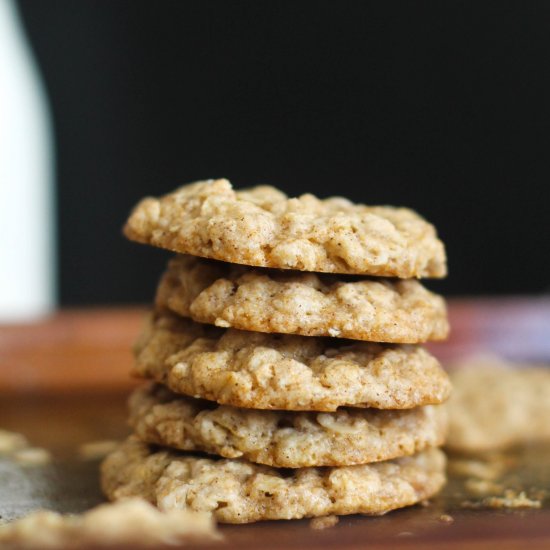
(446, 518)
(32, 456)
(324, 522)
(511, 499)
(16, 447)
(489, 468)
(94, 450)
(11, 442)
(483, 487)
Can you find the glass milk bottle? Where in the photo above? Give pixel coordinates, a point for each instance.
(27, 259)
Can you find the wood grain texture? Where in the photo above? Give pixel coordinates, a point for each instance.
(73, 349)
(64, 381)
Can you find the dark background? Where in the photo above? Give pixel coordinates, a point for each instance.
(440, 106)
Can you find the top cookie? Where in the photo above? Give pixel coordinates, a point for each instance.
(262, 227)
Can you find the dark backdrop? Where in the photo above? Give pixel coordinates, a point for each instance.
(440, 106)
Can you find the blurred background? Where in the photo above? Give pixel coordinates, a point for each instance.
(440, 106)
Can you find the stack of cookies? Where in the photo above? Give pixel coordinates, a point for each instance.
(287, 383)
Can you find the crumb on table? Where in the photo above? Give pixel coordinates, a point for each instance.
(483, 487)
(93, 450)
(446, 518)
(511, 499)
(11, 442)
(489, 467)
(16, 447)
(323, 522)
(32, 456)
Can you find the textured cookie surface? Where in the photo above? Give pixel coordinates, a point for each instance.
(284, 439)
(273, 371)
(237, 491)
(262, 227)
(310, 304)
(132, 523)
(495, 404)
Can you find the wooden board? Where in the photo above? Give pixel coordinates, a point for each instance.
(63, 382)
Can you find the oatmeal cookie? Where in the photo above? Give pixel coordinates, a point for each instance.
(273, 371)
(496, 404)
(262, 227)
(280, 438)
(237, 491)
(132, 523)
(310, 304)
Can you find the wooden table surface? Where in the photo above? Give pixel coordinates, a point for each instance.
(64, 381)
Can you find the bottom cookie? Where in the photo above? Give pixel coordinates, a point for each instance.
(237, 491)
